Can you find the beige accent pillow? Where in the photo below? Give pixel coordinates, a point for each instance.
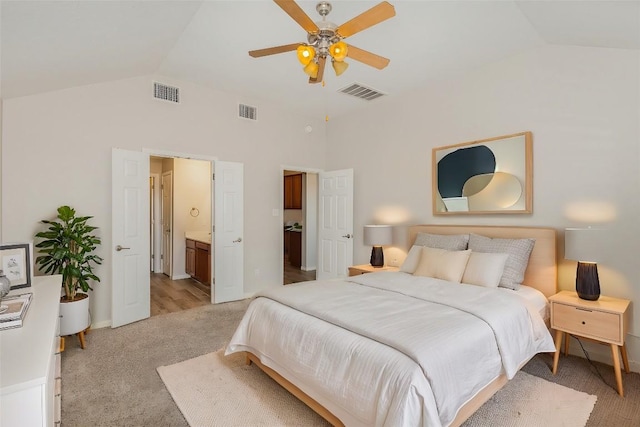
(412, 260)
(442, 264)
(484, 269)
(519, 251)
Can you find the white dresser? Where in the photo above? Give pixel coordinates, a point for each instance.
(30, 361)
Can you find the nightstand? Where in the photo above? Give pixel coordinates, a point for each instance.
(604, 321)
(368, 268)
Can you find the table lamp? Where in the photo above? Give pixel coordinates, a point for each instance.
(583, 245)
(376, 236)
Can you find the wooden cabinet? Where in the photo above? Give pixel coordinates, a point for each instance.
(198, 261)
(293, 191)
(190, 262)
(605, 320)
(203, 262)
(29, 372)
(368, 268)
(295, 248)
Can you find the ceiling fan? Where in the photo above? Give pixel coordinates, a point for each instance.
(324, 39)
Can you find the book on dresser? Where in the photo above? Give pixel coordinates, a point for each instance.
(16, 312)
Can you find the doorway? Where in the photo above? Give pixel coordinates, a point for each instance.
(185, 187)
(300, 216)
(130, 230)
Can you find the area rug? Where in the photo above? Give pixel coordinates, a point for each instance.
(213, 390)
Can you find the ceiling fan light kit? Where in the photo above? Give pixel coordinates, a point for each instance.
(339, 67)
(305, 54)
(324, 39)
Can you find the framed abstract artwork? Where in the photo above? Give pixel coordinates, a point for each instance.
(489, 176)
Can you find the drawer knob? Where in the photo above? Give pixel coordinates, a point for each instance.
(583, 322)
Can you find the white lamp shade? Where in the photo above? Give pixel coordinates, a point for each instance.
(378, 235)
(583, 244)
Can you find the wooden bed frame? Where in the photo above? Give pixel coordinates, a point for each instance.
(541, 273)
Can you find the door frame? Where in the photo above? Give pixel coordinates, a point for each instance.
(156, 229)
(165, 256)
(281, 209)
(190, 156)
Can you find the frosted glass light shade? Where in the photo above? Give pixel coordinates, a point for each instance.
(305, 54)
(338, 51)
(339, 67)
(311, 69)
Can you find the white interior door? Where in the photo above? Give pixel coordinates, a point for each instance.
(130, 237)
(228, 283)
(167, 222)
(335, 224)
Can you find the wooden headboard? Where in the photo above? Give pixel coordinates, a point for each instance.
(542, 271)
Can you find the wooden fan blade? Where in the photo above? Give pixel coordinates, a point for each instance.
(371, 17)
(293, 10)
(368, 58)
(321, 63)
(273, 50)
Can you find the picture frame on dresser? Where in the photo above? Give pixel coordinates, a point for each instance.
(16, 261)
(487, 176)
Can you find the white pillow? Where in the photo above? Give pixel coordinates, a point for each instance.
(442, 264)
(484, 269)
(412, 260)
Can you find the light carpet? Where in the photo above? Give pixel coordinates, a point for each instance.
(214, 390)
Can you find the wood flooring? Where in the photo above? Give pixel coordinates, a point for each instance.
(168, 296)
(293, 274)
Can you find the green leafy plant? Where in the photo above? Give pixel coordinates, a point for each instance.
(67, 248)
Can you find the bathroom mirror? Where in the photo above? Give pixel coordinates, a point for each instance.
(489, 176)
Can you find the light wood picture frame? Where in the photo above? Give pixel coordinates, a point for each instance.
(488, 176)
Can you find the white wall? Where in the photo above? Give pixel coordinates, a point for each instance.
(582, 105)
(57, 150)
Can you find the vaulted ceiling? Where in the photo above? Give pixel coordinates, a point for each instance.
(50, 45)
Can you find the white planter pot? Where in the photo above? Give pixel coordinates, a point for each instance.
(74, 316)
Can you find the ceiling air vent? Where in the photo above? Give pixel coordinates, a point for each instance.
(362, 92)
(166, 93)
(247, 112)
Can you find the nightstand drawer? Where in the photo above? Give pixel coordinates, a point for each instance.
(588, 323)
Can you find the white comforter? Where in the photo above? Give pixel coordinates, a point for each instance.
(391, 349)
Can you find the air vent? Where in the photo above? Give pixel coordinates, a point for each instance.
(166, 93)
(362, 92)
(247, 112)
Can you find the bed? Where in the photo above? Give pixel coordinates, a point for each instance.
(401, 348)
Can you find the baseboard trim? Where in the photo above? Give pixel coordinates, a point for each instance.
(602, 353)
(180, 276)
(103, 324)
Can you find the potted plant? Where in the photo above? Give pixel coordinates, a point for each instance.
(67, 248)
